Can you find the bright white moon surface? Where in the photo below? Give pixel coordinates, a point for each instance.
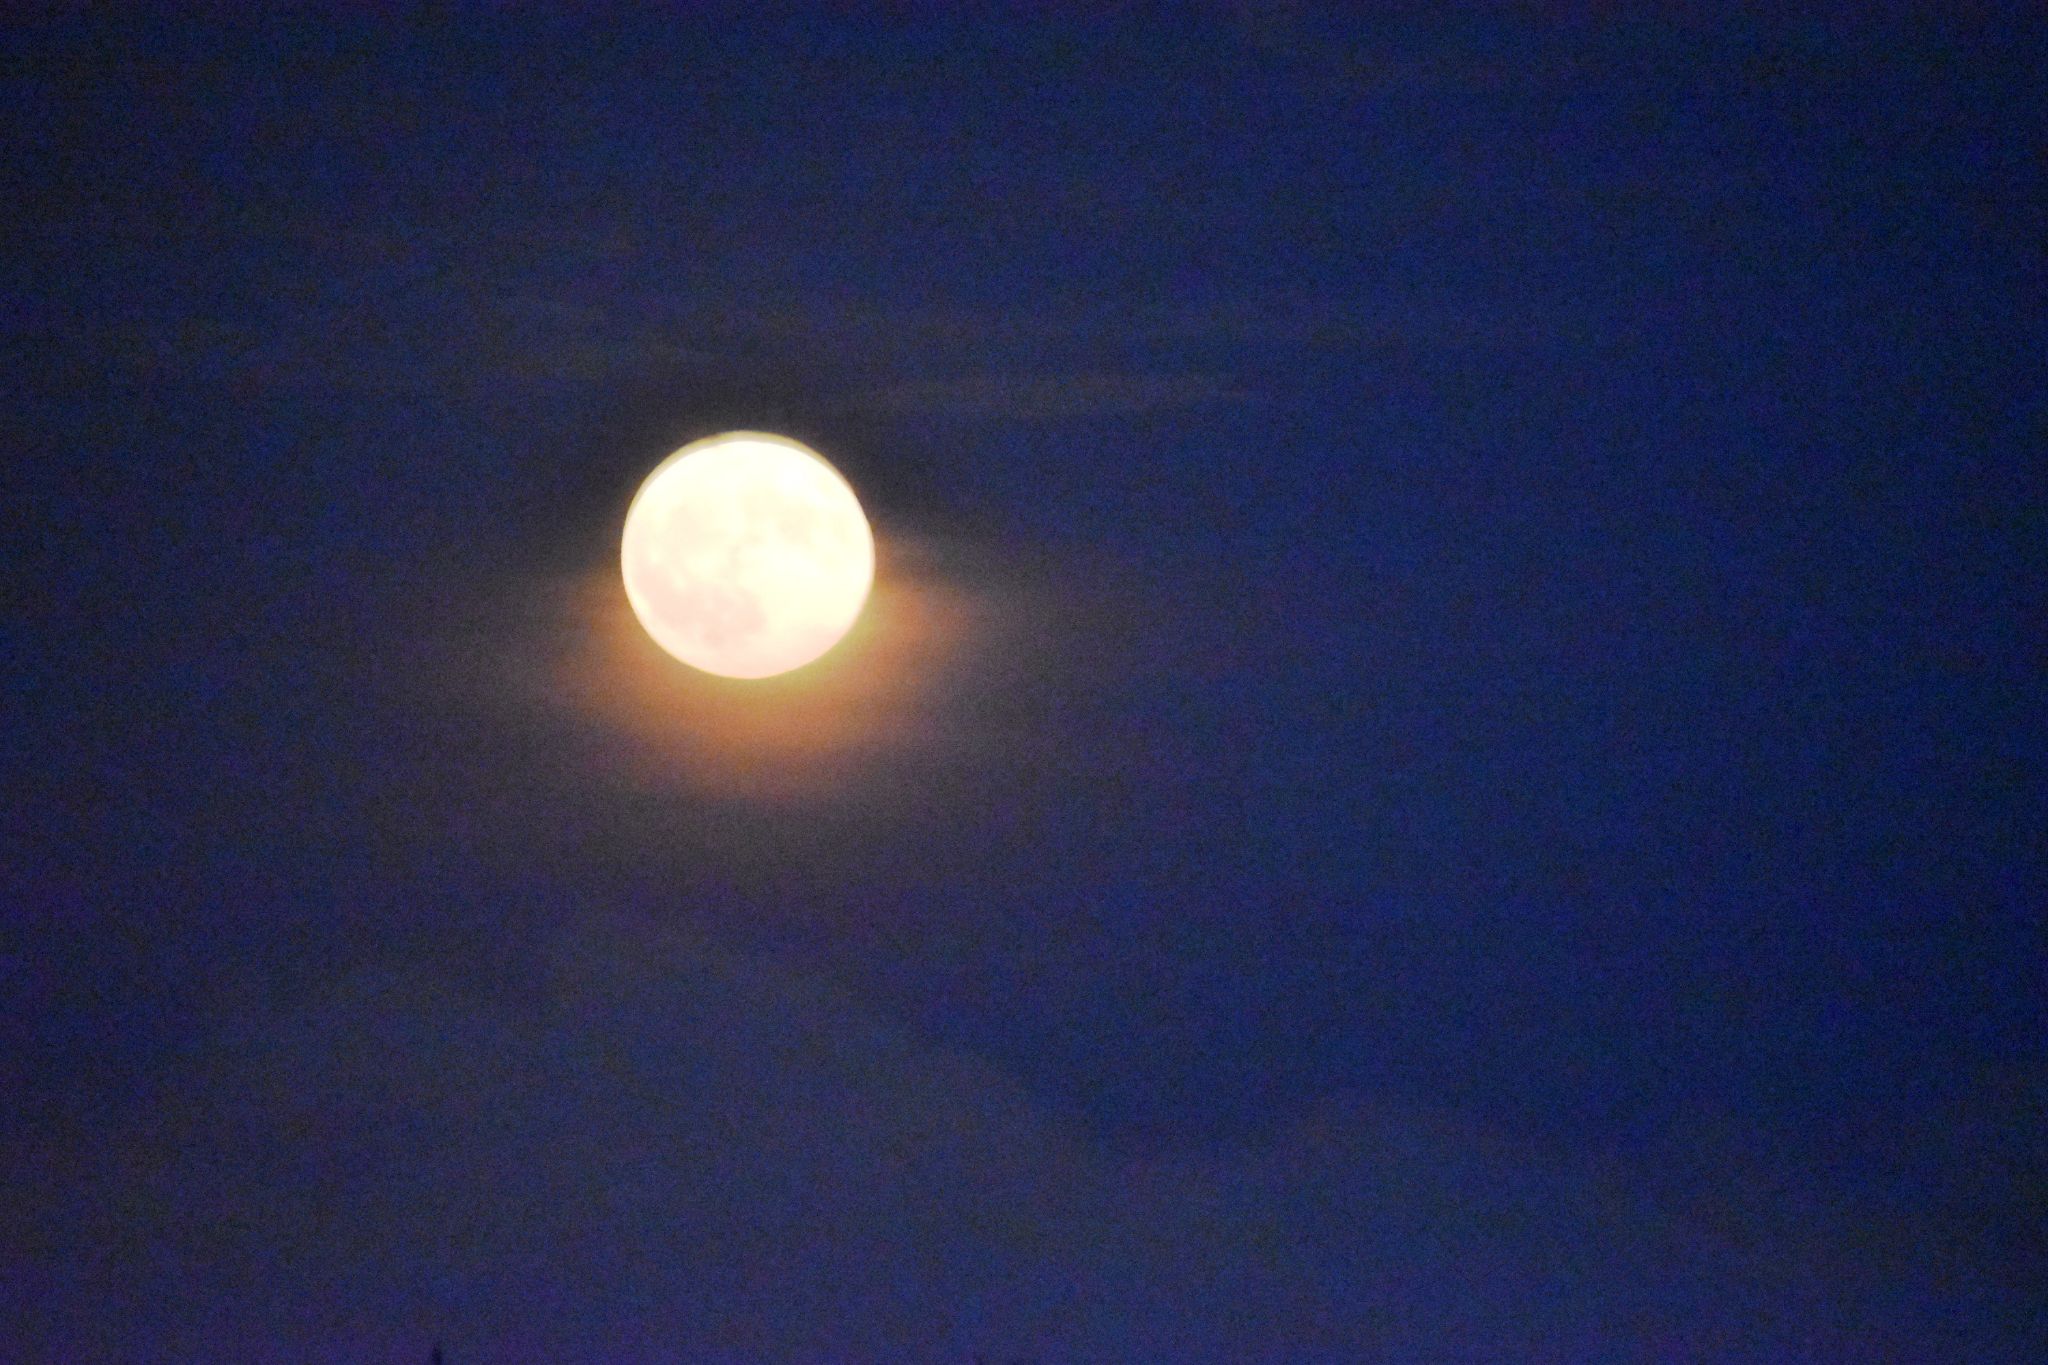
(747, 555)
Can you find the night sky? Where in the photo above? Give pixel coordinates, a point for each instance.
(1445, 763)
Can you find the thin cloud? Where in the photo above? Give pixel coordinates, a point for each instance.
(654, 1145)
(1053, 397)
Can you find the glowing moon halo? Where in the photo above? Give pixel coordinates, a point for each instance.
(746, 555)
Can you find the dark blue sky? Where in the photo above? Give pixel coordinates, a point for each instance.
(1445, 764)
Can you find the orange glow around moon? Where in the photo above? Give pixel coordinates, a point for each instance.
(746, 555)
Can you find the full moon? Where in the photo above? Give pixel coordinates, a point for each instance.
(747, 555)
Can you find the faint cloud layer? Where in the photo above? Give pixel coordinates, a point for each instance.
(657, 1147)
(1053, 397)
(904, 698)
(481, 312)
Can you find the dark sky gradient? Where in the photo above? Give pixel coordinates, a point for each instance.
(1445, 765)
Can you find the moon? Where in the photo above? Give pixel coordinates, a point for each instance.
(747, 555)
